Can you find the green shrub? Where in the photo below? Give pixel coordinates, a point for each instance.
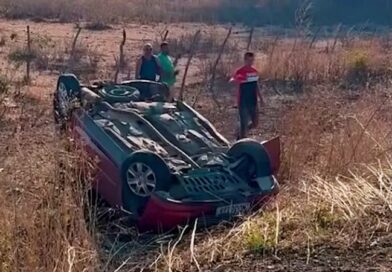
(21, 55)
(256, 241)
(261, 236)
(358, 61)
(358, 68)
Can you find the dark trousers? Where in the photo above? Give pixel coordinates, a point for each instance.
(248, 113)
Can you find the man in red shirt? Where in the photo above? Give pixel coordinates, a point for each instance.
(248, 94)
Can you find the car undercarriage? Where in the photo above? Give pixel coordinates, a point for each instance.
(160, 160)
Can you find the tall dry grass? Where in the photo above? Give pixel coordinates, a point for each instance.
(336, 194)
(41, 195)
(336, 191)
(299, 62)
(101, 11)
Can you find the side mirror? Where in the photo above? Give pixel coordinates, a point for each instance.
(88, 97)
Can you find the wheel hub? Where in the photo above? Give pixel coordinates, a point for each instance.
(63, 99)
(141, 179)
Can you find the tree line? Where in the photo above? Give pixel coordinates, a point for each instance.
(321, 12)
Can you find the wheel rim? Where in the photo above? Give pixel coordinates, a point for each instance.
(63, 100)
(119, 91)
(141, 179)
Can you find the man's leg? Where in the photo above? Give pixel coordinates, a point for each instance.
(171, 93)
(244, 122)
(254, 113)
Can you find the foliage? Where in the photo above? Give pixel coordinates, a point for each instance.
(358, 60)
(21, 55)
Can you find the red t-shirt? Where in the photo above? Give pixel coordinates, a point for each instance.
(247, 77)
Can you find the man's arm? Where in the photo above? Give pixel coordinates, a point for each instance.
(175, 62)
(259, 94)
(138, 68)
(235, 78)
(235, 82)
(159, 67)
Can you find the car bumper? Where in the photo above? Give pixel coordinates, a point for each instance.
(162, 214)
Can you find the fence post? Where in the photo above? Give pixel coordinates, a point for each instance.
(73, 48)
(120, 61)
(222, 48)
(250, 38)
(28, 61)
(191, 52)
(165, 35)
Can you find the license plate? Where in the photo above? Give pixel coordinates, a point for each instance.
(234, 209)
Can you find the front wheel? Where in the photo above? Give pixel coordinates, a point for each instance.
(143, 174)
(119, 94)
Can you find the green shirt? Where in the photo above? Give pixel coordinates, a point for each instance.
(168, 70)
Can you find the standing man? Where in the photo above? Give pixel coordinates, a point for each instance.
(248, 94)
(168, 72)
(147, 66)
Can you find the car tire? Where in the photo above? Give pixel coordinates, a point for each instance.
(119, 94)
(68, 88)
(143, 174)
(257, 156)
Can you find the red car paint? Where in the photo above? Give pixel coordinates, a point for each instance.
(162, 215)
(107, 178)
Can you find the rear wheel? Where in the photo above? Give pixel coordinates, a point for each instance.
(255, 153)
(68, 88)
(256, 164)
(143, 174)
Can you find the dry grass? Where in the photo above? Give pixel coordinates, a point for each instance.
(298, 62)
(336, 175)
(336, 193)
(49, 55)
(41, 203)
(98, 12)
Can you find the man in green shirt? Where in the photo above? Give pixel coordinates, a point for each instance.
(168, 71)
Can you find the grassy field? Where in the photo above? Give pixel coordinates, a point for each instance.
(329, 100)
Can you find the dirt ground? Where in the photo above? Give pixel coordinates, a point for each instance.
(106, 44)
(36, 137)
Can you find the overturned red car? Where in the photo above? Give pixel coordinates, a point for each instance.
(163, 163)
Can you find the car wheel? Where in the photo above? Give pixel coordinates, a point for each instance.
(143, 174)
(118, 94)
(68, 88)
(257, 163)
